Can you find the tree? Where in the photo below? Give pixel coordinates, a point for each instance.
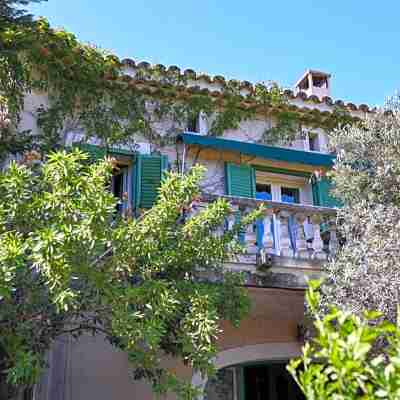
(69, 265)
(127, 279)
(339, 362)
(365, 273)
(11, 11)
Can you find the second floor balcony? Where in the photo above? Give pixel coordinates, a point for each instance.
(287, 244)
(295, 235)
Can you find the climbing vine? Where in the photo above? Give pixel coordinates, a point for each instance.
(80, 81)
(89, 93)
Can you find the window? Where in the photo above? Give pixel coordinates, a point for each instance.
(263, 192)
(320, 81)
(290, 195)
(136, 177)
(120, 187)
(193, 124)
(303, 85)
(313, 142)
(244, 180)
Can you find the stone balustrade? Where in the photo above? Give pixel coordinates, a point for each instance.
(285, 230)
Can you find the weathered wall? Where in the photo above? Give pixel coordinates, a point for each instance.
(274, 316)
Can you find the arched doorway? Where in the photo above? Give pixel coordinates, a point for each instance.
(267, 380)
(256, 372)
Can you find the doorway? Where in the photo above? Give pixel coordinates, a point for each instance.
(269, 382)
(260, 381)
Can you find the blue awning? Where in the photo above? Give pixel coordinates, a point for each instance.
(258, 150)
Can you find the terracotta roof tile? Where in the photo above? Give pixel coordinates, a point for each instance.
(142, 64)
(220, 80)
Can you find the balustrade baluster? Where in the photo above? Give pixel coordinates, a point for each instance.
(231, 218)
(318, 244)
(284, 240)
(249, 235)
(268, 242)
(289, 230)
(302, 251)
(333, 241)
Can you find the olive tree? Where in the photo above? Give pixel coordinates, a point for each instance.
(365, 274)
(13, 11)
(355, 352)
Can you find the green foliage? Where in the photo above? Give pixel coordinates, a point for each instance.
(87, 93)
(232, 112)
(11, 11)
(80, 81)
(340, 362)
(69, 265)
(287, 125)
(364, 273)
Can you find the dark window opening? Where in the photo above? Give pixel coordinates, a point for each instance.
(313, 140)
(290, 195)
(28, 394)
(193, 124)
(320, 81)
(270, 381)
(119, 186)
(257, 382)
(263, 191)
(303, 85)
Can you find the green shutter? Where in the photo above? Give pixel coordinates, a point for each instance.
(95, 152)
(322, 194)
(240, 180)
(148, 176)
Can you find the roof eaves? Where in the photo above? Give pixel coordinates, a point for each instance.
(220, 80)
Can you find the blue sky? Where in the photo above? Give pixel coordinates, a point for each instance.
(357, 41)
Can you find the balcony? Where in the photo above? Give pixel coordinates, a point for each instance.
(288, 244)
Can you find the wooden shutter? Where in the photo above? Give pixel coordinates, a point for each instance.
(322, 194)
(148, 176)
(95, 152)
(240, 180)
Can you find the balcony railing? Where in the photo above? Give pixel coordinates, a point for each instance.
(285, 230)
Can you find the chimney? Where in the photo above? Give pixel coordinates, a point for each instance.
(315, 83)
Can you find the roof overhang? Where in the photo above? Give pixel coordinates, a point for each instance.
(261, 151)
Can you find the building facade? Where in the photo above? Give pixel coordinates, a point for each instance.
(284, 248)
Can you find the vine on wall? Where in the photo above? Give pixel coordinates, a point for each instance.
(87, 92)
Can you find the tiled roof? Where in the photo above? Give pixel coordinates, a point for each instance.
(222, 82)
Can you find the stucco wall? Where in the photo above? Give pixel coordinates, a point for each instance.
(249, 130)
(274, 316)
